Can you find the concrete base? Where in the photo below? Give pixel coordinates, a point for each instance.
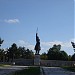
(37, 60)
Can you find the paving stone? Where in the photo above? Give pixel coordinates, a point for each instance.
(8, 70)
(56, 71)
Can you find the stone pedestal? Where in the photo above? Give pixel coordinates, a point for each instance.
(37, 60)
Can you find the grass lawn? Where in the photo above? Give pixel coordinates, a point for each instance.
(69, 68)
(29, 71)
(4, 65)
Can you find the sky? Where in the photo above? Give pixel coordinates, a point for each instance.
(19, 20)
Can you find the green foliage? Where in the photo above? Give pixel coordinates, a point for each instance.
(29, 71)
(56, 47)
(69, 57)
(25, 53)
(4, 65)
(1, 51)
(1, 54)
(54, 53)
(1, 41)
(12, 51)
(73, 57)
(63, 55)
(15, 52)
(44, 56)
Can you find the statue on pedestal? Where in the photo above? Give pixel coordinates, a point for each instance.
(37, 46)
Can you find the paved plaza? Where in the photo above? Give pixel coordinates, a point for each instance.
(46, 70)
(10, 69)
(56, 71)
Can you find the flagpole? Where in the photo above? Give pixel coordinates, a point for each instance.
(37, 30)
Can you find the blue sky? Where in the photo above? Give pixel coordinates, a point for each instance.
(19, 20)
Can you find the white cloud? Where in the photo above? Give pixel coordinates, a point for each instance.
(51, 43)
(66, 46)
(11, 20)
(21, 42)
(26, 44)
(63, 44)
(73, 39)
(46, 45)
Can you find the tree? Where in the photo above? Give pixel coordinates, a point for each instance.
(15, 52)
(21, 51)
(54, 53)
(25, 53)
(12, 51)
(56, 47)
(69, 57)
(6, 55)
(73, 57)
(1, 51)
(1, 41)
(63, 55)
(44, 56)
(1, 55)
(29, 54)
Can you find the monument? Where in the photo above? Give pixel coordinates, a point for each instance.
(37, 49)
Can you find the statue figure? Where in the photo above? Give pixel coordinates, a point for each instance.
(37, 46)
(73, 44)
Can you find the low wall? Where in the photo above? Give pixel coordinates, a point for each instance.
(30, 62)
(20, 62)
(24, 62)
(56, 63)
(6, 63)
